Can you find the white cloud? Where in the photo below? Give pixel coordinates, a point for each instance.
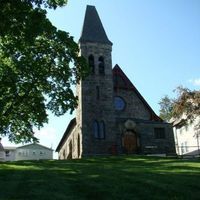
(195, 82)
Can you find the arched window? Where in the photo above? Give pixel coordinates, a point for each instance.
(96, 129)
(79, 146)
(64, 154)
(101, 66)
(91, 63)
(102, 130)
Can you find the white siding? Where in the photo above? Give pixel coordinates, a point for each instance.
(2, 156)
(33, 152)
(186, 138)
(10, 154)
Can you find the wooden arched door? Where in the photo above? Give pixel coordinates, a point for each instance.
(129, 142)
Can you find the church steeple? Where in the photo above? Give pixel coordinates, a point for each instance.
(93, 30)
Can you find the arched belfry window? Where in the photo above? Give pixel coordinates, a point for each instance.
(102, 130)
(96, 129)
(91, 63)
(101, 66)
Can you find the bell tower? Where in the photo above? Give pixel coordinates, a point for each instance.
(95, 113)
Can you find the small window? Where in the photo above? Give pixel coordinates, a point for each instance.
(96, 129)
(64, 153)
(97, 93)
(91, 63)
(7, 153)
(159, 133)
(102, 130)
(101, 66)
(33, 152)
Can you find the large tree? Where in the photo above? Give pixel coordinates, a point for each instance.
(38, 66)
(166, 108)
(185, 105)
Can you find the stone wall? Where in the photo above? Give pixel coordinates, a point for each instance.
(147, 141)
(93, 108)
(134, 108)
(72, 147)
(151, 145)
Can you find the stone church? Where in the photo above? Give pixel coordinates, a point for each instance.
(112, 117)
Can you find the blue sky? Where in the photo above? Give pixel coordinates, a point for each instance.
(156, 43)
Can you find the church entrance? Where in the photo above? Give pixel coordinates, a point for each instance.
(129, 142)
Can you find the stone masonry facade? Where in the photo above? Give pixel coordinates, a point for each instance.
(112, 117)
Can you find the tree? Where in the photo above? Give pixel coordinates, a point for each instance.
(186, 104)
(166, 107)
(38, 66)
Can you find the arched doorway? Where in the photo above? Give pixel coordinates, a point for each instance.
(130, 142)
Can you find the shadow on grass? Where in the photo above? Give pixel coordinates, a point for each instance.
(123, 177)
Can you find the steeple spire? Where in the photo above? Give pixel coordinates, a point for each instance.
(93, 30)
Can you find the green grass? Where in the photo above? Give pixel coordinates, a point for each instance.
(123, 177)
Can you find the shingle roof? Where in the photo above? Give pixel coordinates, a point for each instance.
(93, 30)
(70, 127)
(36, 144)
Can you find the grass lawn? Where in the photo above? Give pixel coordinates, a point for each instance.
(123, 177)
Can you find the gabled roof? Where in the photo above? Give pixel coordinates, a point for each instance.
(24, 146)
(71, 125)
(93, 30)
(10, 148)
(121, 81)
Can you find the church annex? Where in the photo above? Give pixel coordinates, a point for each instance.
(112, 117)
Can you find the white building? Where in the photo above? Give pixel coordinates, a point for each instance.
(2, 152)
(33, 152)
(25, 152)
(187, 137)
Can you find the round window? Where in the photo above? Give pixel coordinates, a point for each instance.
(119, 103)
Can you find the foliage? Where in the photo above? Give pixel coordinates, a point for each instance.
(166, 107)
(121, 177)
(186, 104)
(38, 66)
